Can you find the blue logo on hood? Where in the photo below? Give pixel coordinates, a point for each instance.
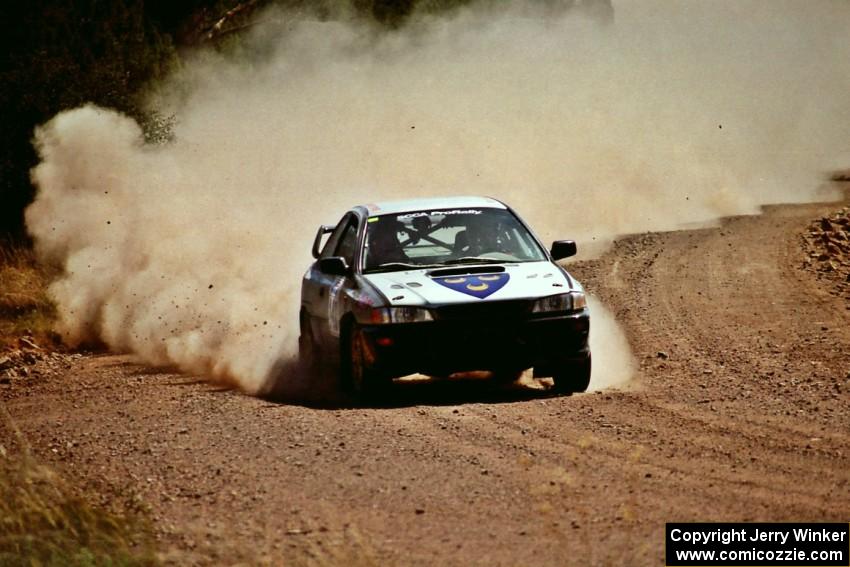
(476, 286)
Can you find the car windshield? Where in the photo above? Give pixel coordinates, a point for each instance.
(434, 238)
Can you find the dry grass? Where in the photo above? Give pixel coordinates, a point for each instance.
(44, 522)
(25, 307)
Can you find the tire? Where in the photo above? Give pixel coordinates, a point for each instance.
(357, 379)
(573, 376)
(506, 376)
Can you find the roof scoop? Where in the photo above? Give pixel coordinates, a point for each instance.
(466, 270)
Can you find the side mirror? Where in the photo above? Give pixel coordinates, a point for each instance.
(335, 266)
(317, 242)
(563, 249)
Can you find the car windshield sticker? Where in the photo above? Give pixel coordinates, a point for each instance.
(476, 286)
(439, 213)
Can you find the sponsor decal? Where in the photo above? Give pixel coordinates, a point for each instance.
(440, 213)
(365, 299)
(335, 306)
(476, 286)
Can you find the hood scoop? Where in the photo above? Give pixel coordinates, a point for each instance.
(466, 270)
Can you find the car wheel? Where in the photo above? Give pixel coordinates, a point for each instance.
(573, 376)
(357, 378)
(506, 376)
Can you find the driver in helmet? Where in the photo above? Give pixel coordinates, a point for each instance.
(382, 245)
(480, 237)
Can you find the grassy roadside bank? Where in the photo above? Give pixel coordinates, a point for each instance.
(25, 307)
(44, 520)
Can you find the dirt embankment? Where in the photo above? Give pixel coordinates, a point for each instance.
(31, 361)
(827, 246)
(739, 412)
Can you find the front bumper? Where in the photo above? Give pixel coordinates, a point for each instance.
(445, 346)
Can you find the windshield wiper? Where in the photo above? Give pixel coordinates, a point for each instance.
(474, 260)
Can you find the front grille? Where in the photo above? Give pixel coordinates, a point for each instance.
(485, 311)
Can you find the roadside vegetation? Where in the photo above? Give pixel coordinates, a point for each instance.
(45, 522)
(44, 519)
(26, 310)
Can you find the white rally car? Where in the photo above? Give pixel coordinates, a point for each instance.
(440, 286)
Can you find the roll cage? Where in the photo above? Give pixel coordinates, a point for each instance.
(362, 214)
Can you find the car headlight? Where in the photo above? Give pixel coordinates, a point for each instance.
(579, 300)
(387, 315)
(573, 301)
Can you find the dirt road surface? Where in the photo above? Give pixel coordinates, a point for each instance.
(740, 411)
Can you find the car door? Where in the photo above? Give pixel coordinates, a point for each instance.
(326, 304)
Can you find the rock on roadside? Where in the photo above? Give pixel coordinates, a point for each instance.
(19, 366)
(826, 245)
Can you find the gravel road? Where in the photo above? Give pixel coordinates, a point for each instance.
(740, 411)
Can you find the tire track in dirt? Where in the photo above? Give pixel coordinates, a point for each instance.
(745, 416)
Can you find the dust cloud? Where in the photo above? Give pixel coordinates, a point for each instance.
(191, 253)
(613, 363)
